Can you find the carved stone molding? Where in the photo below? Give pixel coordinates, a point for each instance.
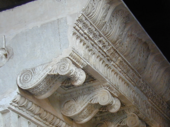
(34, 111)
(123, 59)
(117, 24)
(43, 80)
(84, 107)
(107, 39)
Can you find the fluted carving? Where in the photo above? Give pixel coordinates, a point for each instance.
(84, 107)
(116, 24)
(107, 58)
(43, 80)
(130, 51)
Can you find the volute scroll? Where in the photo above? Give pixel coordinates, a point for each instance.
(43, 80)
(84, 107)
(67, 68)
(133, 121)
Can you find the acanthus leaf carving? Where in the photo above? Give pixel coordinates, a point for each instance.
(109, 58)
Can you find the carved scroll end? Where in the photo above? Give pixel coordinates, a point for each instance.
(43, 80)
(30, 78)
(83, 108)
(105, 98)
(133, 121)
(115, 106)
(67, 68)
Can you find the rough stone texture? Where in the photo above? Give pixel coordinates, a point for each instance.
(37, 33)
(11, 119)
(33, 47)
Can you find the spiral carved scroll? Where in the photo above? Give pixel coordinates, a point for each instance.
(104, 97)
(31, 78)
(77, 75)
(81, 109)
(43, 80)
(133, 121)
(25, 78)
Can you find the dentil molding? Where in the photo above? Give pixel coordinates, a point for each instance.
(114, 44)
(107, 39)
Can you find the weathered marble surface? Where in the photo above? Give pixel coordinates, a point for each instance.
(37, 32)
(33, 47)
(118, 62)
(36, 35)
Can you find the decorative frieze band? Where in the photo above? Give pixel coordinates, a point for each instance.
(117, 24)
(111, 65)
(37, 112)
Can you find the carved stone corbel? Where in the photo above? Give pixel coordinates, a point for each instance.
(133, 121)
(82, 108)
(120, 119)
(43, 80)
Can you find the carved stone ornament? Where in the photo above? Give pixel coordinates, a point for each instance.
(66, 68)
(25, 106)
(5, 53)
(112, 42)
(120, 119)
(84, 107)
(43, 80)
(3, 56)
(133, 121)
(107, 39)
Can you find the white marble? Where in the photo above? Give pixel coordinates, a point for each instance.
(109, 74)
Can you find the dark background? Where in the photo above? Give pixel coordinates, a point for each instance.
(154, 16)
